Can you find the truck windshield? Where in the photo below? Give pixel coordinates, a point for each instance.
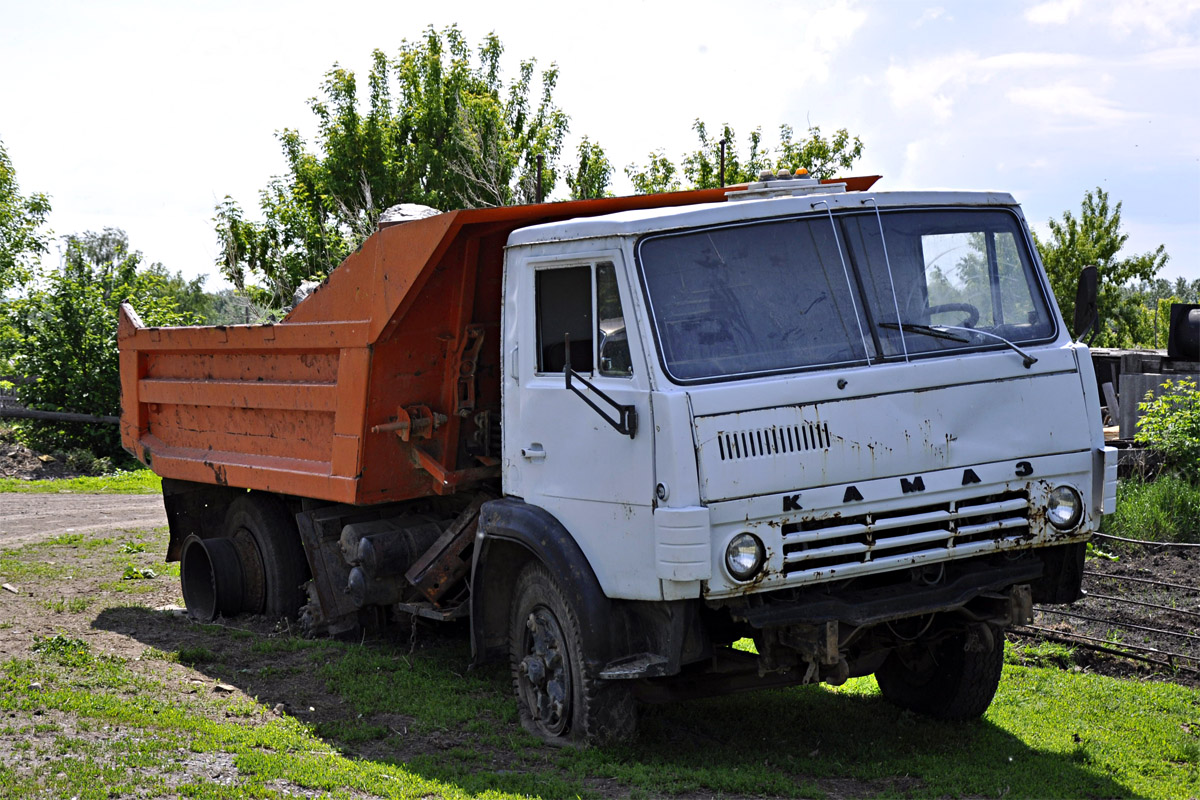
(807, 292)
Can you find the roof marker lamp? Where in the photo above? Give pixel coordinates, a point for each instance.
(744, 556)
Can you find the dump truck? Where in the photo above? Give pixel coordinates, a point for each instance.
(626, 436)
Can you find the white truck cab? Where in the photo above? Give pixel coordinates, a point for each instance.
(850, 426)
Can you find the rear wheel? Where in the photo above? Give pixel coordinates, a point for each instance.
(945, 680)
(558, 696)
(272, 557)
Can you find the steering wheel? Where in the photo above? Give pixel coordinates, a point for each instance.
(971, 311)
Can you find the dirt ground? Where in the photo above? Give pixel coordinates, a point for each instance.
(28, 518)
(18, 461)
(1143, 599)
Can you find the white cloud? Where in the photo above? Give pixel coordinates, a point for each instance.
(1069, 100)
(1157, 21)
(928, 85)
(1160, 20)
(1172, 58)
(930, 15)
(1027, 60)
(1054, 12)
(823, 33)
(934, 86)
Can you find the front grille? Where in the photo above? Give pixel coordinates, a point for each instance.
(773, 441)
(936, 532)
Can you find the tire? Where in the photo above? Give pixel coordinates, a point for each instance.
(273, 560)
(559, 697)
(944, 681)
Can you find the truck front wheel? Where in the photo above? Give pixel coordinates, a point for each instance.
(945, 680)
(558, 696)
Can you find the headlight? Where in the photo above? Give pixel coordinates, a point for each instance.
(1064, 507)
(744, 556)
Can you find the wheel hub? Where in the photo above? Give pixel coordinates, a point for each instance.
(545, 678)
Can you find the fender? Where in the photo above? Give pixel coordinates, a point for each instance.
(512, 532)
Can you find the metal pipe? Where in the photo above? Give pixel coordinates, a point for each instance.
(1142, 603)
(1116, 623)
(1141, 580)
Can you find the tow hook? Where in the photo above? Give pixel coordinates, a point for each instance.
(1020, 599)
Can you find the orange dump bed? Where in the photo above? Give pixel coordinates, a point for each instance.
(404, 332)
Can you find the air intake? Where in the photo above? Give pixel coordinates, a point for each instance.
(773, 441)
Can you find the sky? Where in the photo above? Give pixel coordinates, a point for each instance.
(144, 115)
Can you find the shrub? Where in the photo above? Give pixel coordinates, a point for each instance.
(1170, 423)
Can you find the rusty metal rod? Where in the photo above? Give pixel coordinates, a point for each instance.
(1116, 624)
(1143, 603)
(1138, 648)
(57, 416)
(1141, 580)
(1142, 541)
(1045, 633)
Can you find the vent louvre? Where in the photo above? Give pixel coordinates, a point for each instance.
(774, 441)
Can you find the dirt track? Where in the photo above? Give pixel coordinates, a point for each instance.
(28, 518)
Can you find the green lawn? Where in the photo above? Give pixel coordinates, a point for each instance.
(141, 481)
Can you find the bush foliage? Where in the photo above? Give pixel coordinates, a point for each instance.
(1170, 423)
(66, 337)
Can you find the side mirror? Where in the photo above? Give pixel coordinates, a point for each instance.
(1086, 311)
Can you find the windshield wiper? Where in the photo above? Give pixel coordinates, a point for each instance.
(943, 332)
(928, 330)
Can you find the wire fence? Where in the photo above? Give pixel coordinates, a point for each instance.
(1131, 610)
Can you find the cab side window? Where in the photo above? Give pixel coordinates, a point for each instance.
(564, 314)
(580, 307)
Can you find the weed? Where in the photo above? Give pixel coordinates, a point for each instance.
(194, 655)
(154, 654)
(1039, 654)
(64, 651)
(133, 547)
(350, 732)
(133, 573)
(75, 605)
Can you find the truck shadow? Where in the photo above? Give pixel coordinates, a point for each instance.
(414, 701)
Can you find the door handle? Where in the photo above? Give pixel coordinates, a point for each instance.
(534, 452)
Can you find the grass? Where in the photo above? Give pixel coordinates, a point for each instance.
(404, 720)
(1049, 733)
(141, 481)
(1163, 510)
(74, 605)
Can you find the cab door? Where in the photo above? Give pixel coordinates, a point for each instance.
(585, 452)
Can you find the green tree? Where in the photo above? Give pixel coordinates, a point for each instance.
(660, 175)
(593, 173)
(1096, 238)
(22, 238)
(66, 326)
(823, 157)
(440, 128)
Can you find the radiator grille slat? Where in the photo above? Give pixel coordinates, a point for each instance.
(914, 533)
